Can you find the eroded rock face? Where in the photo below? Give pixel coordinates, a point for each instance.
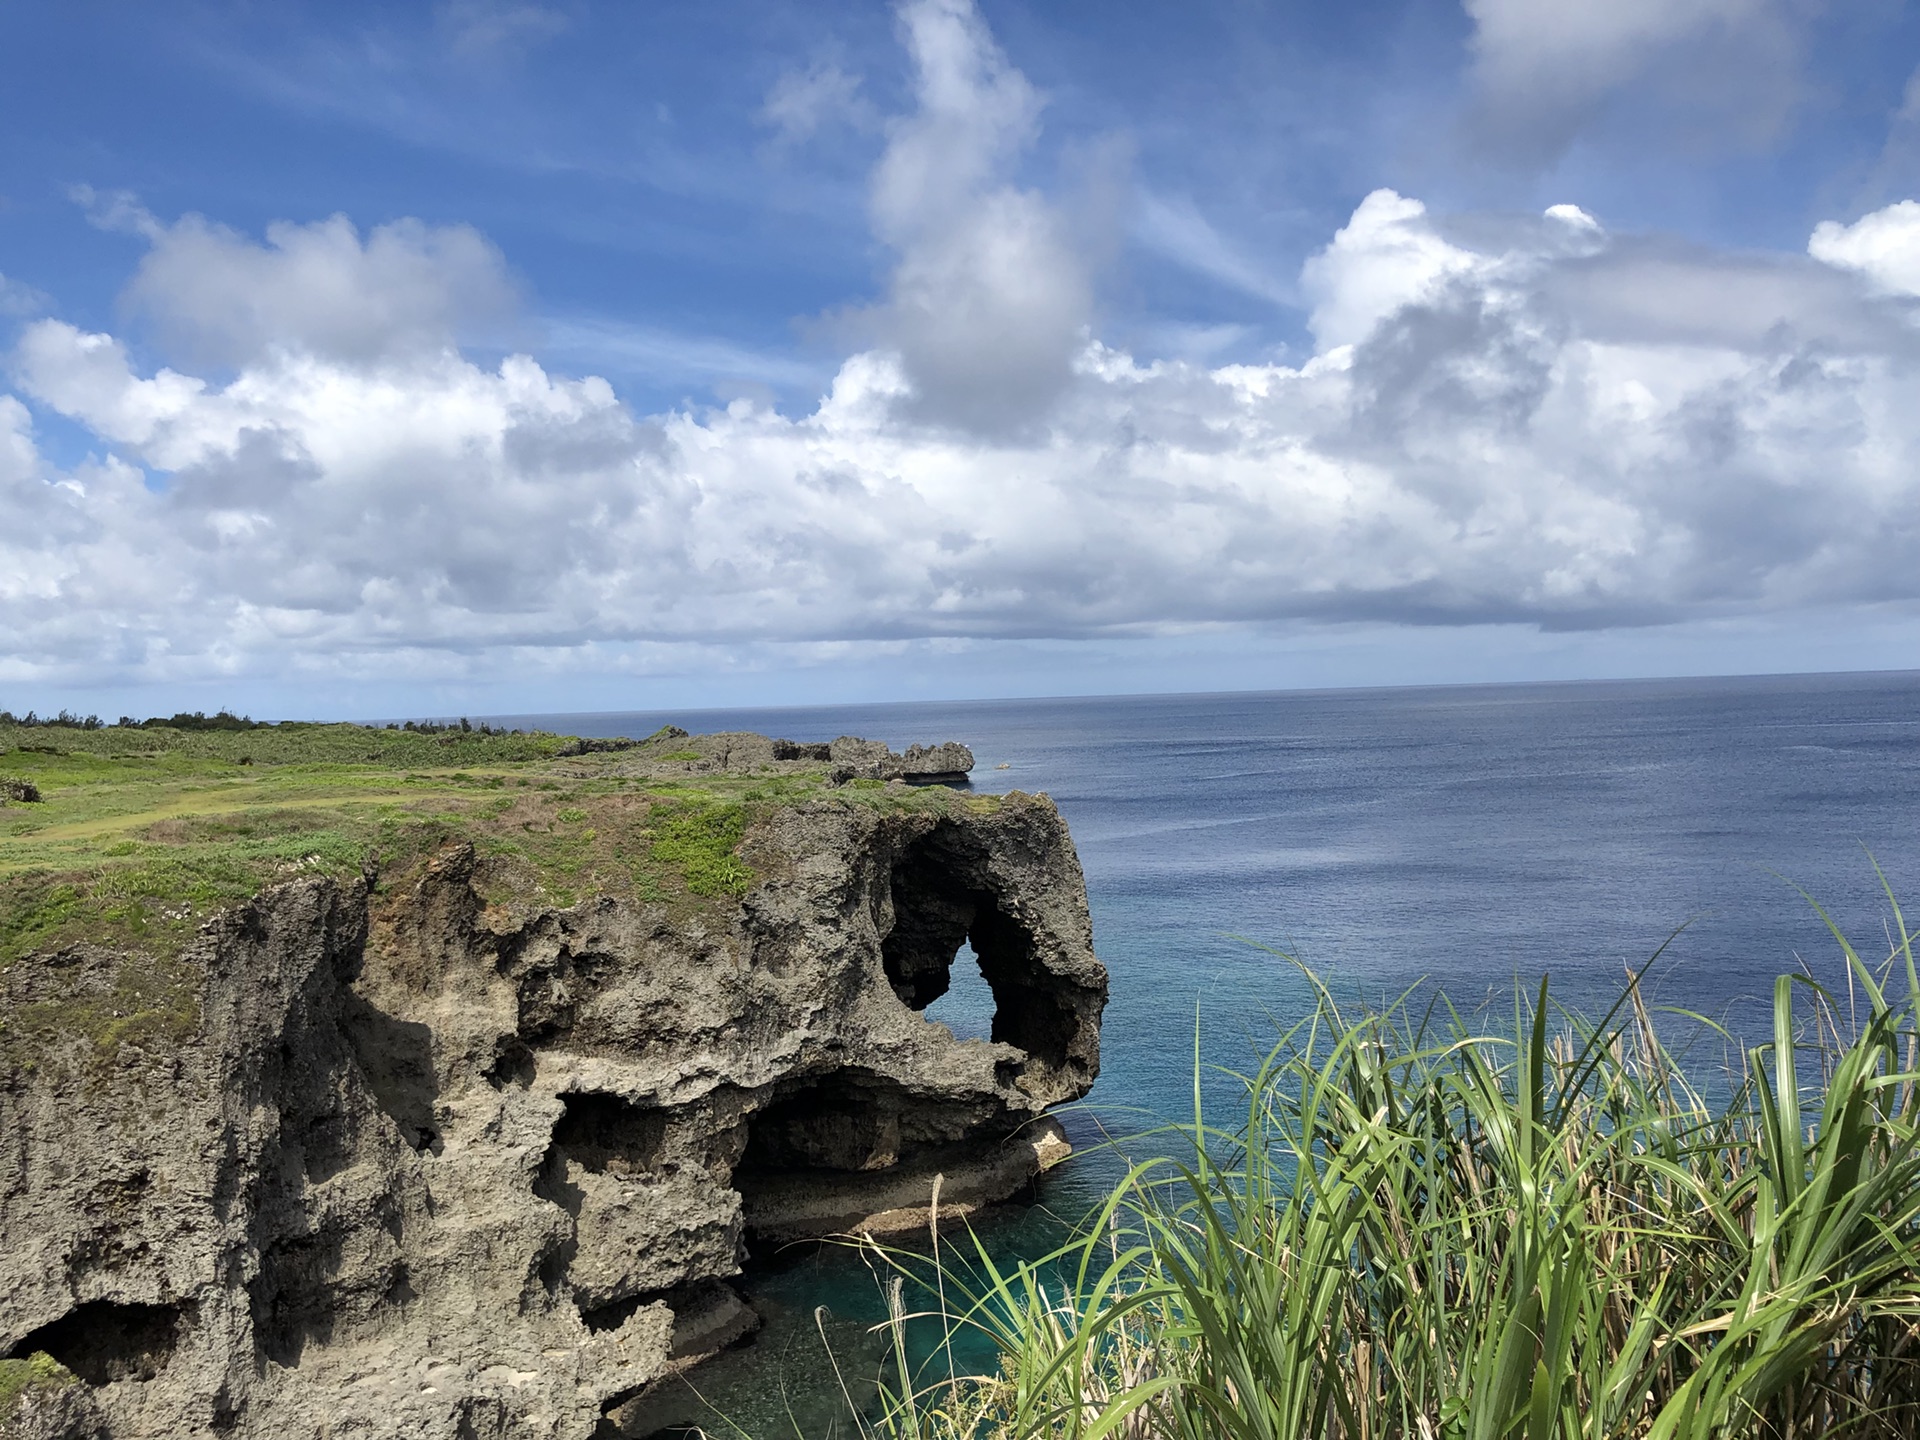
(430, 1168)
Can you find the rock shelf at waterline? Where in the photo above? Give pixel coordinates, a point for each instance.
(411, 1084)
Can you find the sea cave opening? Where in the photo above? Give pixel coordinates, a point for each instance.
(946, 915)
(844, 1120)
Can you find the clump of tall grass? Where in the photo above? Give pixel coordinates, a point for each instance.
(1416, 1229)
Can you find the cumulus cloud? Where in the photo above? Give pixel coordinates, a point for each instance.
(1884, 246)
(221, 299)
(1507, 419)
(988, 302)
(1543, 68)
(1384, 259)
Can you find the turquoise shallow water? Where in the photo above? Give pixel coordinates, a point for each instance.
(1462, 837)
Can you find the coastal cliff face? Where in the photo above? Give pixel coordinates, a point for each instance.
(429, 1163)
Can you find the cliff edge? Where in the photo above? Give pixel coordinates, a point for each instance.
(424, 1151)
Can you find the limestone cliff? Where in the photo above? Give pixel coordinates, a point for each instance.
(426, 1165)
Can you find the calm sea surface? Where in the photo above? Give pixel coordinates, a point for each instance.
(1462, 836)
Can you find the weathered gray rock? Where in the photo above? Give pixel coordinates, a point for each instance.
(429, 1167)
(673, 752)
(922, 764)
(64, 1413)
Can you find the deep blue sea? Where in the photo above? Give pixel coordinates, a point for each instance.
(1462, 837)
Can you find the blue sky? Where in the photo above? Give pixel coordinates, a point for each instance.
(503, 356)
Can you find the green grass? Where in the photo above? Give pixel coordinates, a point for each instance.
(141, 835)
(1418, 1229)
(701, 841)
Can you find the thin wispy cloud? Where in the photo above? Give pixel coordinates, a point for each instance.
(1174, 228)
(665, 356)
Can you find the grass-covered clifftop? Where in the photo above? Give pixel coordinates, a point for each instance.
(140, 833)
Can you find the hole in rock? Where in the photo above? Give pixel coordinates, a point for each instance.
(603, 1135)
(942, 901)
(102, 1341)
(1031, 1009)
(967, 1006)
(400, 1291)
(606, 1135)
(512, 1064)
(801, 750)
(602, 1318)
(707, 1314)
(480, 1417)
(558, 1261)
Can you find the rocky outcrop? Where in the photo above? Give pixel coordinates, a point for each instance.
(946, 764)
(428, 1166)
(742, 752)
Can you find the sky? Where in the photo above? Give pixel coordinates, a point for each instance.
(492, 356)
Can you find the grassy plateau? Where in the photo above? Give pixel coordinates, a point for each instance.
(139, 833)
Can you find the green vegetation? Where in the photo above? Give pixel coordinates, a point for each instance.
(19, 1378)
(142, 832)
(1420, 1231)
(701, 841)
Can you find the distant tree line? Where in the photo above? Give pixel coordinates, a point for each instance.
(462, 726)
(64, 719)
(227, 720)
(198, 720)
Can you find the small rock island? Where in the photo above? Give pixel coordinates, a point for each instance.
(370, 1083)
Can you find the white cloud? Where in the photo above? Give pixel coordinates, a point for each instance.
(1542, 68)
(87, 377)
(803, 102)
(1175, 229)
(19, 299)
(1385, 258)
(1884, 246)
(1572, 215)
(1481, 439)
(1507, 420)
(222, 299)
(989, 300)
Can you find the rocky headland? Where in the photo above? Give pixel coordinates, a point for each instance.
(470, 1140)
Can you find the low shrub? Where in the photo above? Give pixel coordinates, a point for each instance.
(701, 841)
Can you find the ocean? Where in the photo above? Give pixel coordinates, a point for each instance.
(1456, 838)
